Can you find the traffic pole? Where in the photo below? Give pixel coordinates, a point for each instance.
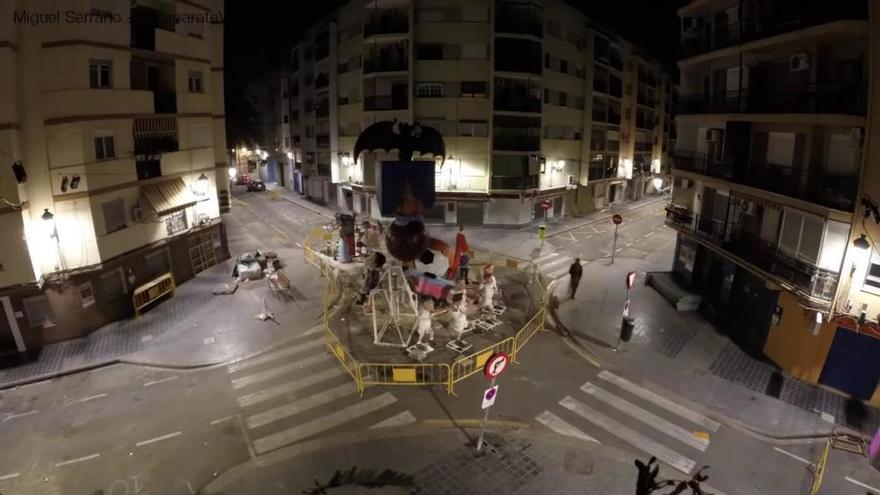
(483, 423)
(614, 244)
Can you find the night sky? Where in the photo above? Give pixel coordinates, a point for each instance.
(260, 33)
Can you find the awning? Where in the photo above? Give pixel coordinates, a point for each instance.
(168, 196)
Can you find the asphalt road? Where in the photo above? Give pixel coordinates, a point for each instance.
(134, 430)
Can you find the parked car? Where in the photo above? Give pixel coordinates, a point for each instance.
(256, 186)
(243, 179)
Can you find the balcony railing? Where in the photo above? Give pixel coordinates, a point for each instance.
(322, 81)
(602, 172)
(842, 98)
(374, 103)
(809, 279)
(389, 63)
(781, 17)
(515, 23)
(517, 142)
(393, 23)
(519, 182)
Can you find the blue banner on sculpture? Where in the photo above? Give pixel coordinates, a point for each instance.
(405, 188)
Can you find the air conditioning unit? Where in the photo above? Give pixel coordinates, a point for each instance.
(749, 207)
(799, 62)
(713, 135)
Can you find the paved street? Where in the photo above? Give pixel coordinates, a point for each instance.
(149, 430)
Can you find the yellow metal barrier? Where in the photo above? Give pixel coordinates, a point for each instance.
(535, 325)
(819, 473)
(474, 363)
(404, 374)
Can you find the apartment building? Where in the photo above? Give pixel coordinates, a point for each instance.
(542, 110)
(777, 155)
(113, 165)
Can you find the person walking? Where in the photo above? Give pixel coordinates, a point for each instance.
(575, 273)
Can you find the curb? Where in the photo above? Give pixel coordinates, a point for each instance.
(313, 210)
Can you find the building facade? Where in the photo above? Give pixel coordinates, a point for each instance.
(775, 161)
(113, 165)
(542, 110)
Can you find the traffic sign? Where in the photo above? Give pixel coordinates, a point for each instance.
(546, 204)
(495, 365)
(489, 396)
(617, 219)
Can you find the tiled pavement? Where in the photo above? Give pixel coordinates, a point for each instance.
(734, 365)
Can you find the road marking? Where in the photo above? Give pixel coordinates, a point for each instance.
(558, 273)
(649, 234)
(646, 417)
(492, 423)
(298, 406)
(629, 436)
(619, 249)
(586, 355)
(156, 382)
(209, 340)
(546, 257)
(559, 425)
(19, 415)
(86, 399)
(277, 371)
(220, 420)
(315, 426)
(9, 476)
(159, 438)
(789, 454)
(286, 352)
(292, 386)
(564, 259)
(146, 338)
(607, 255)
(78, 459)
(402, 419)
(859, 483)
(661, 401)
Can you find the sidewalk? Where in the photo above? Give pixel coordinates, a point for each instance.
(417, 459)
(685, 354)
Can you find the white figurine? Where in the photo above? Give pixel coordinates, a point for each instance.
(487, 291)
(423, 322)
(458, 310)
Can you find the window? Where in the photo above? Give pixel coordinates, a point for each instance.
(429, 90)
(157, 264)
(114, 215)
(801, 235)
(474, 89)
(473, 128)
(563, 66)
(429, 51)
(175, 222)
(547, 60)
(39, 311)
(111, 286)
(286, 118)
(104, 146)
(195, 81)
(99, 74)
(546, 96)
(563, 99)
(872, 277)
(287, 141)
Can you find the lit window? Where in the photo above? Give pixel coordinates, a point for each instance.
(429, 90)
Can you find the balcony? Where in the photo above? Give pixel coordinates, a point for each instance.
(777, 18)
(518, 55)
(807, 278)
(516, 100)
(839, 98)
(519, 18)
(322, 81)
(601, 171)
(378, 103)
(323, 140)
(519, 182)
(520, 141)
(148, 168)
(647, 78)
(394, 22)
(645, 100)
(397, 62)
(832, 191)
(164, 102)
(155, 136)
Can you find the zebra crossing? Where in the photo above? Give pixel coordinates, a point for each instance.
(555, 265)
(614, 409)
(299, 391)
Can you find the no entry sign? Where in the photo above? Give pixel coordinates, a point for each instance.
(495, 365)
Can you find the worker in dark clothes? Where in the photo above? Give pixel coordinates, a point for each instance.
(575, 272)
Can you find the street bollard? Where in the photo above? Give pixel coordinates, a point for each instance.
(626, 330)
(542, 233)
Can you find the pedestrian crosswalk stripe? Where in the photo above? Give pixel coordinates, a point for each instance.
(298, 406)
(277, 371)
(288, 387)
(326, 422)
(661, 401)
(629, 436)
(272, 356)
(559, 425)
(559, 273)
(546, 266)
(646, 417)
(546, 257)
(401, 419)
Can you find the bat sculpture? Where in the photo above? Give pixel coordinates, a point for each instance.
(407, 139)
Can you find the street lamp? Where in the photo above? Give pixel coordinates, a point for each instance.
(862, 242)
(47, 217)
